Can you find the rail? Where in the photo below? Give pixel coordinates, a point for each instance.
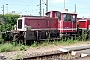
(70, 53)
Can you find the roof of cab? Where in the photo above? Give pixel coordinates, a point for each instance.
(62, 12)
(51, 11)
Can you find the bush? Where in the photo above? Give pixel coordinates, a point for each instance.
(7, 47)
(1, 41)
(22, 48)
(34, 44)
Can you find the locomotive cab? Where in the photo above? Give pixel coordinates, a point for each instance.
(54, 14)
(67, 23)
(68, 19)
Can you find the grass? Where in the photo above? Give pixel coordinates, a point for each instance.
(13, 46)
(8, 47)
(59, 43)
(1, 40)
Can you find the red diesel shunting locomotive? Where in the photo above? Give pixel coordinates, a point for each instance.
(55, 24)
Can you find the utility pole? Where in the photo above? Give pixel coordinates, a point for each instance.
(3, 10)
(75, 8)
(43, 11)
(64, 4)
(7, 8)
(40, 8)
(3, 16)
(46, 5)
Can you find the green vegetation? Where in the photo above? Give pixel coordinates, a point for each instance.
(10, 20)
(13, 46)
(19, 56)
(1, 40)
(22, 48)
(7, 23)
(6, 47)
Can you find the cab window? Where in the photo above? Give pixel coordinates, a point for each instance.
(67, 17)
(48, 14)
(58, 15)
(73, 17)
(20, 23)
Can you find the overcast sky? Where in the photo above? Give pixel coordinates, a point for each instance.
(32, 6)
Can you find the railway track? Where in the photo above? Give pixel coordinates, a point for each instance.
(71, 53)
(46, 57)
(56, 55)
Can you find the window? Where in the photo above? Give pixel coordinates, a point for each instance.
(67, 17)
(73, 18)
(58, 15)
(20, 23)
(48, 14)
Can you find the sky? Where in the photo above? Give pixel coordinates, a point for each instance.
(28, 7)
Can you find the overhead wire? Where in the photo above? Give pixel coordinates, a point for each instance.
(49, 5)
(28, 6)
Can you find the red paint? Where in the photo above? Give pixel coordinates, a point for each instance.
(40, 23)
(67, 25)
(84, 24)
(50, 22)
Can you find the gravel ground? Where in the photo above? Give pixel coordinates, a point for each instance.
(86, 58)
(33, 51)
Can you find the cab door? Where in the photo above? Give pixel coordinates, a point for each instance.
(74, 22)
(69, 22)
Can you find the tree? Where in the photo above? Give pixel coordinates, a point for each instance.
(10, 21)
